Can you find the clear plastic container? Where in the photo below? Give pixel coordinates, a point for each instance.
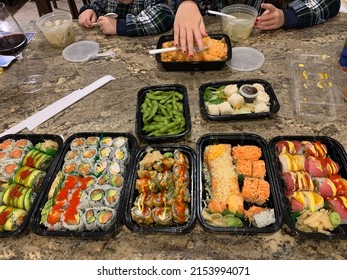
(57, 28)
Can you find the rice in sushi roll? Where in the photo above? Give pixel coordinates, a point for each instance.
(260, 217)
(105, 217)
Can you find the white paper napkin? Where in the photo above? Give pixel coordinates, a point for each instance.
(58, 106)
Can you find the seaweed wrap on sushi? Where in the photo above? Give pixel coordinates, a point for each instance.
(49, 147)
(11, 218)
(29, 177)
(37, 159)
(105, 217)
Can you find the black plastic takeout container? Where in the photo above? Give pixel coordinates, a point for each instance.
(35, 139)
(274, 104)
(133, 193)
(337, 153)
(272, 202)
(139, 120)
(42, 230)
(194, 65)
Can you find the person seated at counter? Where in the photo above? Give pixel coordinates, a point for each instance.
(134, 17)
(274, 14)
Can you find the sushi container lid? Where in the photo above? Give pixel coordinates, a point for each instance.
(35, 139)
(194, 65)
(337, 153)
(42, 230)
(272, 202)
(315, 87)
(274, 103)
(139, 124)
(133, 193)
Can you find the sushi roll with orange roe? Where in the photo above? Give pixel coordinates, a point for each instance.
(255, 190)
(249, 152)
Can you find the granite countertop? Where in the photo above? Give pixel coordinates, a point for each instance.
(112, 108)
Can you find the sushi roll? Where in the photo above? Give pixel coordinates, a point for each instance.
(29, 177)
(116, 180)
(180, 212)
(89, 155)
(24, 144)
(78, 143)
(96, 197)
(89, 219)
(72, 155)
(106, 141)
(70, 168)
(11, 218)
(105, 217)
(121, 154)
(162, 216)
(7, 145)
(8, 169)
(48, 146)
(84, 168)
(73, 219)
(111, 197)
(255, 190)
(92, 141)
(18, 196)
(16, 154)
(103, 179)
(100, 167)
(142, 216)
(120, 142)
(115, 168)
(37, 159)
(105, 152)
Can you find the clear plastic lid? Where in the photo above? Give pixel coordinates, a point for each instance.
(81, 51)
(246, 59)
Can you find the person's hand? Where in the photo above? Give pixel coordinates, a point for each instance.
(108, 25)
(272, 18)
(87, 18)
(189, 26)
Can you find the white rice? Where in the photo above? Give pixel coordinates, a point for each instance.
(264, 218)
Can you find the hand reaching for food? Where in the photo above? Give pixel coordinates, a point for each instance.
(272, 18)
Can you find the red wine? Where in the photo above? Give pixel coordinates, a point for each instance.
(12, 43)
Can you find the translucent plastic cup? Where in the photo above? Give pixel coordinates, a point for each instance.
(57, 28)
(240, 29)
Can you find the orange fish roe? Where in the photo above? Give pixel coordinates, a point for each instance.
(246, 152)
(244, 166)
(255, 190)
(258, 169)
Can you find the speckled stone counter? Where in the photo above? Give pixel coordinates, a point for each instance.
(112, 108)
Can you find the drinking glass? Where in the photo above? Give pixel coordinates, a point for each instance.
(12, 42)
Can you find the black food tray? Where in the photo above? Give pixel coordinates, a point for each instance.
(194, 65)
(42, 230)
(274, 104)
(337, 153)
(34, 138)
(186, 112)
(133, 193)
(273, 201)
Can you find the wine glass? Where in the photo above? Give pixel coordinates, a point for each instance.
(12, 42)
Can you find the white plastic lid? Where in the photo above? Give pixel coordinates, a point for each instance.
(245, 59)
(81, 51)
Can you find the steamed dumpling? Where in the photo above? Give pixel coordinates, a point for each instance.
(236, 100)
(230, 89)
(213, 109)
(225, 108)
(261, 108)
(259, 87)
(262, 97)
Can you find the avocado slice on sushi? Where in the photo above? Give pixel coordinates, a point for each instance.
(27, 200)
(20, 201)
(6, 194)
(105, 216)
(90, 217)
(96, 194)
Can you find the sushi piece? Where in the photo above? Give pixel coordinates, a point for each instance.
(315, 149)
(249, 152)
(16, 154)
(37, 159)
(306, 200)
(324, 186)
(255, 190)
(162, 216)
(100, 167)
(48, 146)
(297, 181)
(105, 152)
(70, 168)
(117, 180)
(7, 144)
(105, 218)
(314, 166)
(339, 205)
(29, 177)
(11, 218)
(78, 143)
(340, 184)
(291, 162)
(141, 215)
(18, 196)
(84, 168)
(88, 155)
(111, 197)
(72, 155)
(121, 154)
(290, 147)
(92, 141)
(89, 219)
(9, 169)
(106, 141)
(24, 144)
(120, 142)
(96, 197)
(260, 217)
(180, 212)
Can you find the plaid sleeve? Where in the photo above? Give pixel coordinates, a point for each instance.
(99, 6)
(153, 18)
(304, 13)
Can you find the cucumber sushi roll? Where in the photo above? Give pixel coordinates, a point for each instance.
(89, 155)
(106, 142)
(121, 154)
(89, 219)
(72, 155)
(92, 141)
(11, 218)
(111, 197)
(116, 181)
(105, 217)
(105, 152)
(48, 146)
(29, 177)
(78, 143)
(100, 167)
(120, 142)
(70, 168)
(37, 159)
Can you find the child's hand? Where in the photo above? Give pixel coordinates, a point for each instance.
(108, 25)
(87, 18)
(272, 18)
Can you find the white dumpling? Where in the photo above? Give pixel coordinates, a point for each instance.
(261, 108)
(213, 109)
(225, 108)
(236, 100)
(230, 89)
(262, 97)
(259, 87)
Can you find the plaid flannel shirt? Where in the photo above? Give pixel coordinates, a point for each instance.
(297, 14)
(141, 18)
